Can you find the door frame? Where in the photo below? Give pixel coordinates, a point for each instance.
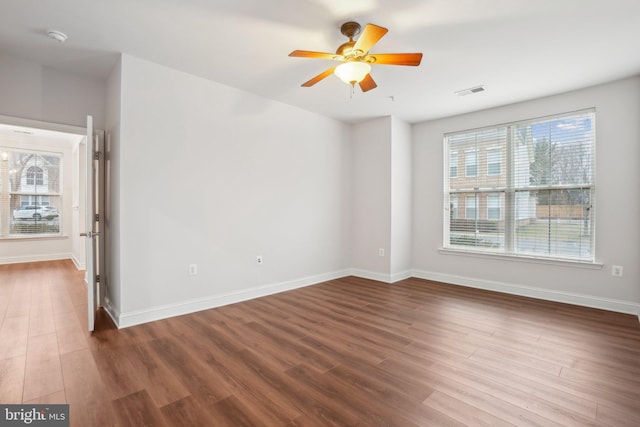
(80, 131)
(95, 220)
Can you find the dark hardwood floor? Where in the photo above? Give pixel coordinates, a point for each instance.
(348, 352)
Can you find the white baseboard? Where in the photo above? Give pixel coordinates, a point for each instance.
(124, 320)
(371, 275)
(381, 277)
(34, 258)
(113, 312)
(533, 292)
(78, 264)
(402, 275)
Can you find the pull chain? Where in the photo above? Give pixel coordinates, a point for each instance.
(352, 90)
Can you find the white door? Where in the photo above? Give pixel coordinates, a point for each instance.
(94, 205)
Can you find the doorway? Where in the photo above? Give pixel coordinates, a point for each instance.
(43, 193)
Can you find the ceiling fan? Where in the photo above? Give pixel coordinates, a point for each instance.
(355, 57)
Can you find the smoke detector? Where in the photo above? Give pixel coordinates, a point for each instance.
(56, 35)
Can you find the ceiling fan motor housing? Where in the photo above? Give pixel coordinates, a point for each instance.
(345, 49)
(350, 29)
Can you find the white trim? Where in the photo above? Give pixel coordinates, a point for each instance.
(371, 275)
(533, 292)
(39, 124)
(113, 312)
(566, 262)
(23, 237)
(402, 275)
(34, 258)
(381, 277)
(124, 320)
(78, 264)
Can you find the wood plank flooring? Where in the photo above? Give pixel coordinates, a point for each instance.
(349, 352)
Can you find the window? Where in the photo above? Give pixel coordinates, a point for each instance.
(454, 206)
(34, 176)
(471, 163)
(453, 165)
(494, 161)
(494, 207)
(30, 193)
(470, 207)
(540, 203)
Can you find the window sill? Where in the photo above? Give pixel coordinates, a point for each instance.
(34, 237)
(523, 258)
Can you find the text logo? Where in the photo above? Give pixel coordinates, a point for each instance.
(34, 415)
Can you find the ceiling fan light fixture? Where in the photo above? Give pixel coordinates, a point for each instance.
(352, 72)
(355, 58)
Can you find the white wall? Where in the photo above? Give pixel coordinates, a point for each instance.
(618, 205)
(39, 249)
(382, 199)
(111, 285)
(33, 91)
(372, 198)
(401, 200)
(215, 176)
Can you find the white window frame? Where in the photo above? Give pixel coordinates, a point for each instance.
(7, 194)
(511, 188)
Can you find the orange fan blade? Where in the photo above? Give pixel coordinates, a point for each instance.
(412, 59)
(319, 77)
(309, 54)
(367, 83)
(369, 37)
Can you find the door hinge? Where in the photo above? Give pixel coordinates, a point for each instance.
(97, 278)
(97, 155)
(97, 219)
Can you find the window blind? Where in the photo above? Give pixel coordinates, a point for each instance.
(528, 188)
(30, 193)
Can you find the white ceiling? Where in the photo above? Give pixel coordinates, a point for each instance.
(518, 49)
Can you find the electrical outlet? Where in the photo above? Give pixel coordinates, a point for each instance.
(381, 251)
(193, 269)
(259, 259)
(616, 270)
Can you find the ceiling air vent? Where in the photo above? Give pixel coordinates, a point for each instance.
(469, 91)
